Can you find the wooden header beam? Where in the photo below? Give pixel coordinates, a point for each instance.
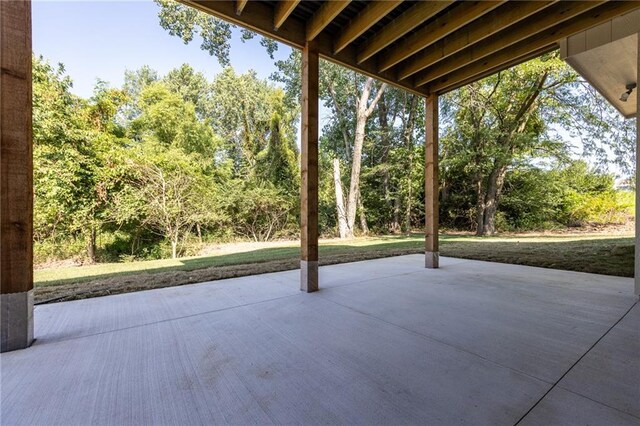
(430, 48)
(259, 17)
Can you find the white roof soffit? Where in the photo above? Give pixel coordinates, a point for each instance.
(607, 57)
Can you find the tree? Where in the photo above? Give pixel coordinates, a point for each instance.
(185, 22)
(259, 210)
(73, 142)
(171, 192)
(498, 121)
(192, 87)
(353, 99)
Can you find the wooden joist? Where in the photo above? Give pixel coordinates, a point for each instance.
(323, 17)
(259, 17)
(282, 12)
(457, 17)
(559, 13)
(497, 60)
(371, 14)
(490, 71)
(412, 18)
(497, 20)
(240, 4)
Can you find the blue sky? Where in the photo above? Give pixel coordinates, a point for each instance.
(100, 39)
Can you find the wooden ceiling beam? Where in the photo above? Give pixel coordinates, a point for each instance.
(372, 13)
(511, 63)
(282, 12)
(462, 14)
(412, 18)
(323, 17)
(493, 22)
(549, 20)
(240, 4)
(502, 58)
(259, 17)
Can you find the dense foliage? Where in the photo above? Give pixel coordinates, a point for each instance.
(166, 164)
(146, 170)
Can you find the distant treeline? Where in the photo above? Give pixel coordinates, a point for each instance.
(165, 164)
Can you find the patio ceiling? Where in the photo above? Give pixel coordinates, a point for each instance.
(425, 47)
(607, 57)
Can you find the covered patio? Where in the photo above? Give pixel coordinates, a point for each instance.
(481, 343)
(385, 341)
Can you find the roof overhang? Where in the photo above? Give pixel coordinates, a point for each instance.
(607, 57)
(424, 47)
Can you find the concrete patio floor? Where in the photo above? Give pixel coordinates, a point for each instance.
(383, 342)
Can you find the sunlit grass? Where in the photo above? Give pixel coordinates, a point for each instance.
(598, 254)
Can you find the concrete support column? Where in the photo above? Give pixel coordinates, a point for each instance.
(309, 169)
(637, 255)
(431, 185)
(16, 175)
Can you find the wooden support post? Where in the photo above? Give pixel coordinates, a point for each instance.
(431, 186)
(309, 169)
(16, 175)
(637, 251)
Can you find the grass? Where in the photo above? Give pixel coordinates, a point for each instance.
(584, 253)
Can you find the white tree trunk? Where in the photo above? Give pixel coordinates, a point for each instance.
(363, 111)
(174, 249)
(342, 214)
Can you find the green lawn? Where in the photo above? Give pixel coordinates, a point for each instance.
(596, 254)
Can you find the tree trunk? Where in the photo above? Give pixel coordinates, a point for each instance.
(395, 224)
(408, 140)
(363, 217)
(480, 196)
(356, 165)
(342, 215)
(91, 245)
(363, 111)
(199, 233)
(174, 248)
(494, 190)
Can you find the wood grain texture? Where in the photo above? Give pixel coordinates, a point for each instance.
(371, 14)
(444, 25)
(531, 35)
(323, 17)
(431, 185)
(637, 246)
(309, 153)
(259, 16)
(282, 12)
(16, 163)
(412, 18)
(497, 20)
(240, 4)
